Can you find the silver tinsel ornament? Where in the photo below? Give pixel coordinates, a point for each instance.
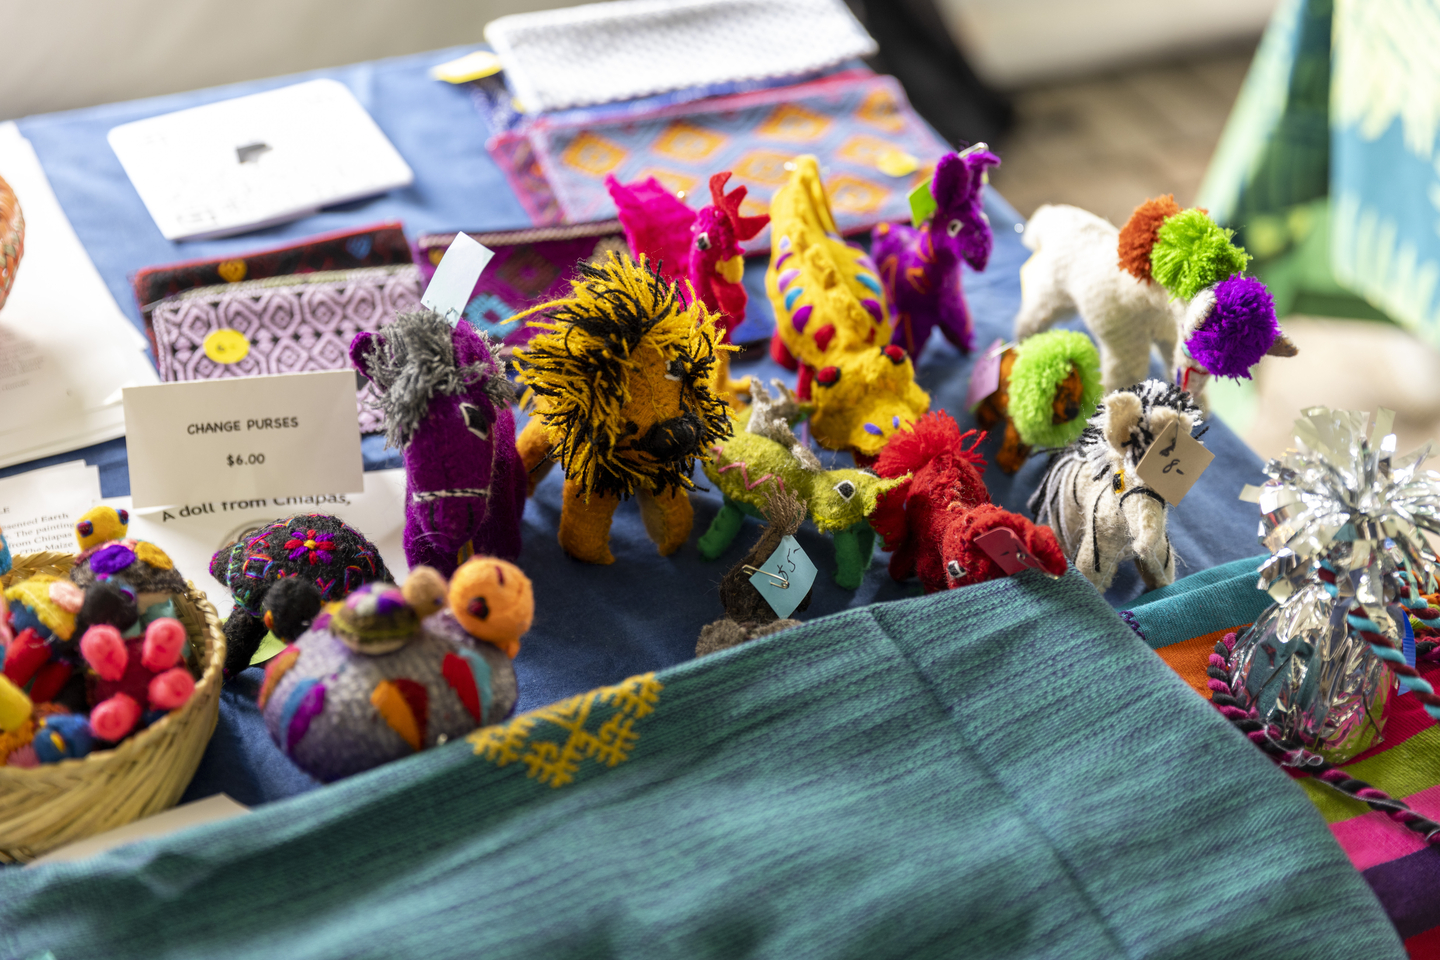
(1337, 502)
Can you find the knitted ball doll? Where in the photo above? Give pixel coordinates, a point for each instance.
(136, 678)
(144, 567)
(40, 656)
(390, 671)
(34, 733)
(318, 548)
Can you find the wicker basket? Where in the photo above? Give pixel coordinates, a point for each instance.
(45, 807)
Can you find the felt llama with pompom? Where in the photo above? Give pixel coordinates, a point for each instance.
(1171, 279)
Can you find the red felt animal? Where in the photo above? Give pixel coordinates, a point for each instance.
(931, 522)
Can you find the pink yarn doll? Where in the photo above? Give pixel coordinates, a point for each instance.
(920, 266)
(446, 404)
(135, 676)
(703, 247)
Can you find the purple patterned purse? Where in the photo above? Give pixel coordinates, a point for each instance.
(289, 324)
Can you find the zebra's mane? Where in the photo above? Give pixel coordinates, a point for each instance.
(1154, 395)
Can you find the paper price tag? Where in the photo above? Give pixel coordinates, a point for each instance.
(455, 276)
(922, 204)
(1173, 463)
(1009, 553)
(242, 438)
(985, 377)
(785, 578)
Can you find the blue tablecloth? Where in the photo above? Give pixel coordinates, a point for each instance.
(593, 625)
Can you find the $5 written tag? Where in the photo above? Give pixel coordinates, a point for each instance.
(1173, 463)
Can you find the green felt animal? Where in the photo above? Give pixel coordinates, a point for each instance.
(763, 455)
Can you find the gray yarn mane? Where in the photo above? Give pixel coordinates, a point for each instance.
(413, 360)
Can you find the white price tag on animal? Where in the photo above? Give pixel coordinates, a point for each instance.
(785, 578)
(455, 277)
(1173, 463)
(243, 438)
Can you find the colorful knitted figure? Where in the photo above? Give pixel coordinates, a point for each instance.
(920, 266)
(135, 679)
(621, 379)
(382, 675)
(446, 403)
(941, 507)
(40, 656)
(832, 325)
(34, 733)
(1102, 511)
(1122, 282)
(703, 248)
(315, 547)
(142, 565)
(1049, 386)
(748, 615)
(763, 457)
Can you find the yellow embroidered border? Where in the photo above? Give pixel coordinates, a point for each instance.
(556, 763)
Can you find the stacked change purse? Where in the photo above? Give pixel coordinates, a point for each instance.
(291, 324)
(379, 245)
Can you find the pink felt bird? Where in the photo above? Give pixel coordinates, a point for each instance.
(703, 248)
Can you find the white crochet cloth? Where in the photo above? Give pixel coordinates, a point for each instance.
(603, 52)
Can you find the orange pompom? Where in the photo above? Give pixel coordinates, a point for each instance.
(1138, 235)
(493, 600)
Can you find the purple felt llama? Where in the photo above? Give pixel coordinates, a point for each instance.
(446, 404)
(920, 267)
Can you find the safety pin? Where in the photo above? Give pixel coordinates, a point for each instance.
(1025, 557)
(778, 579)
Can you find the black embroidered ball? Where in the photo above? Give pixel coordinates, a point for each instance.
(317, 547)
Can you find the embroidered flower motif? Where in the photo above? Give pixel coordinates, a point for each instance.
(306, 545)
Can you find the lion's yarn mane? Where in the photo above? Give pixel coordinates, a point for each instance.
(577, 372)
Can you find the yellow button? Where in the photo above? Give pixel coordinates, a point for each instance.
(227, 346)
(897, 163)
(232, 271)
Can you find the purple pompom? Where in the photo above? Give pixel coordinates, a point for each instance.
(1240, 330)
(111, 559)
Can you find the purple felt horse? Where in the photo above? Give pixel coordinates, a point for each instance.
(920, 267)
(446, 404)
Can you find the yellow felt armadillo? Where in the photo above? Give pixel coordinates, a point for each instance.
(832, 324)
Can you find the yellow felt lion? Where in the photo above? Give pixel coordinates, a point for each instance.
(620, 380)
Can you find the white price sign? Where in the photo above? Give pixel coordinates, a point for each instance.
(244, 437)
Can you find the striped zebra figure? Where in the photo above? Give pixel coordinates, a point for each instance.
(1100, 509)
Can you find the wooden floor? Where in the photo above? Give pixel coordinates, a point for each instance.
(1109, 142)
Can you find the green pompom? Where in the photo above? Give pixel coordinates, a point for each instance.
(1193, 252)
(1041, 363)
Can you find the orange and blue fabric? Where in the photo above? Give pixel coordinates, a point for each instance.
(1183, 622)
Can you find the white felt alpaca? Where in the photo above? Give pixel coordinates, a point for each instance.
(1075, 267)
(1102, 512)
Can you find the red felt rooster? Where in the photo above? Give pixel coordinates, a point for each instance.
(933, 520)
(703, 248)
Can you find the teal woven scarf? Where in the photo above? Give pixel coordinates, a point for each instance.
(999, 771)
